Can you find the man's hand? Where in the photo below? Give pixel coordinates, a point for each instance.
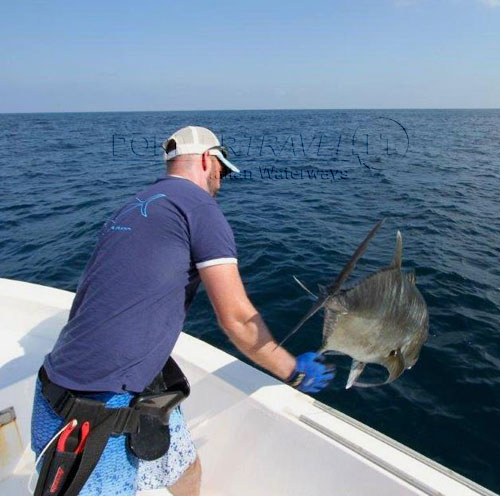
(241, 321)
(310, 374)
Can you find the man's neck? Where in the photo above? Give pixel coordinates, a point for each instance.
(180, 175)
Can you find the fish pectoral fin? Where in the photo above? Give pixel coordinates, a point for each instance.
(333, 288)
(356, 370)
(314, 309)
(303, 286)
(394, 363)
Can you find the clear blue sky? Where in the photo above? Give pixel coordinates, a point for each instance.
(220, 54)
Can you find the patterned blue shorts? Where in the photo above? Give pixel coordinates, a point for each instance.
(118, 472)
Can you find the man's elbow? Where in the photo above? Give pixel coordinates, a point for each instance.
(236, 324)
(246, 334)
(230, 325)
(235, 313)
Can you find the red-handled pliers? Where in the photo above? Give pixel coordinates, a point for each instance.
(70, 444)
(65, 436)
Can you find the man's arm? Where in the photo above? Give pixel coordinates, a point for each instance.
(241, 321)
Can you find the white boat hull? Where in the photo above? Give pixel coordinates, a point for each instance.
(255, 436)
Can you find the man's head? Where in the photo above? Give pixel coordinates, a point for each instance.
(195, 153)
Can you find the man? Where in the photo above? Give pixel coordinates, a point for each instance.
(131, 304)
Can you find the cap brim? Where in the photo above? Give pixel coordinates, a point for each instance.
(224, 160)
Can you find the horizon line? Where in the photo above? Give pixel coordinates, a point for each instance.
(241, 110)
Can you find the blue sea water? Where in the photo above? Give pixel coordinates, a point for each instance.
(313, 183)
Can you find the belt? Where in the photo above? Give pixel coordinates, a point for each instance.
(65, 401)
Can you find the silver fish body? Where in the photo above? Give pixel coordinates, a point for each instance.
(383, 319)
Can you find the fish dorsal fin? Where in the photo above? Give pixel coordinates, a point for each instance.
(398, 253)
(333, 288)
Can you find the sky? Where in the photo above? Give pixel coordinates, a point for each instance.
(258, 54)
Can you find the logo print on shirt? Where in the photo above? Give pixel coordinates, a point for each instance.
(141, 204)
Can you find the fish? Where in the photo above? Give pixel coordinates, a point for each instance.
(382, 320)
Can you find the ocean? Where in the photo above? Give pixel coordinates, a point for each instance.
(313, 183)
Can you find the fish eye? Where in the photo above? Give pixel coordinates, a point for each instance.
(393, 353)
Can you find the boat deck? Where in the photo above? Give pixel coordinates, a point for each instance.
(254, 434)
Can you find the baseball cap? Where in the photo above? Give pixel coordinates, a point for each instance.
(196, 140)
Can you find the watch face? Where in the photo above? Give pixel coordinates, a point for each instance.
(297, 380)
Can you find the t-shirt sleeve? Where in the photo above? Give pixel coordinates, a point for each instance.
(212, 239)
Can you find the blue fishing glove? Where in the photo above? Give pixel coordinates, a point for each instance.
(310, 374)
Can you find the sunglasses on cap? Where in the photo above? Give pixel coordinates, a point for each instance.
(215, 150)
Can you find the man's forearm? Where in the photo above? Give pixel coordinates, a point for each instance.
(253, 339)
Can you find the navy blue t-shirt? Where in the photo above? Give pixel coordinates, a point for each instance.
(132, 299)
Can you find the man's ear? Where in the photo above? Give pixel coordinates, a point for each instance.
(205, 160)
